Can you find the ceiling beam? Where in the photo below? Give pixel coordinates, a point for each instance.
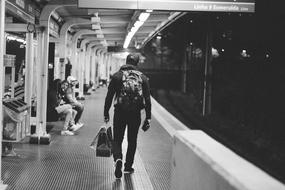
(110, 19)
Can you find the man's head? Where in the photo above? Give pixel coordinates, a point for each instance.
(64, 85)
(133, 59)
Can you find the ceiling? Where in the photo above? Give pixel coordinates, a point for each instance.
(114, 23)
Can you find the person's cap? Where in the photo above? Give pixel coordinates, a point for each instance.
(133, 59)
(71, 79)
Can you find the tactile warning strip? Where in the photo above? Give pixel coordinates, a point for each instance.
(155, 147)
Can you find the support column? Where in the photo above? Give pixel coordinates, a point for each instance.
(93, 67)
(42, 82)
(29, 73)
(62, 56)
(207, 95)
(2, 74)
(73, 60)
(96, 81)
(56, 69)
(81, 63)
(108, 63)
(87, 67)
(63, 41)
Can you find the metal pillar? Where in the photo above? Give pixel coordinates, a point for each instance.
(42, 81)
(184, 72)
(87, 66)
(2, 74)
(81, 64)
(56, 68)
(108, 66)
(62, 56)
(29, 73)
(76, 58)
(73, 60)
(207, 95)
(93, 69)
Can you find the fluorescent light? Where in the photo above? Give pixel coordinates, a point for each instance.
(96, 27)
(100, 36)
(144, 16)
(138, 24)
(20, 40)
(98, 32)
(95, 19)
(128, 40)
(15, 38)
(11, 38)
(149, 11)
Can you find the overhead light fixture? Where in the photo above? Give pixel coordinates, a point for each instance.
(100, 36)
(143, 16)
(138, 24)
(98, 32)
(95, 19)
(16, 38)
(148, 11)
(141, 19)
(96, 27)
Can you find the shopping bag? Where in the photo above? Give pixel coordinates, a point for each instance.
(102, 142)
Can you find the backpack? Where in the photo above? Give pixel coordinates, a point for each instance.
(130, 97)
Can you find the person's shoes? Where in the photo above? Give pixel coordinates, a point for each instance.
(118, 170)
(75, 127)
(80, 124)
(129, 170)
(67, 133)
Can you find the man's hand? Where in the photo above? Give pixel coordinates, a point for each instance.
(146, 125)
(106, 118)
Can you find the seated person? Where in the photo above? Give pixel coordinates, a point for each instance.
(55, 108)
(68, 97)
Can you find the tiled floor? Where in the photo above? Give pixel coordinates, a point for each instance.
(69, 163)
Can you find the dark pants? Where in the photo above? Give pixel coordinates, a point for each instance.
(121, 120)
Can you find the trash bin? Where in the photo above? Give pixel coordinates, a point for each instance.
(14, 120)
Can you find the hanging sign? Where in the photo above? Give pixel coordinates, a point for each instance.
(24, 9)
(54, 28)
(173, 5)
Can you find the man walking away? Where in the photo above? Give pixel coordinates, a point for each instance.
(132, 94)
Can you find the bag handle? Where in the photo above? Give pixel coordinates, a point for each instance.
(96, 137)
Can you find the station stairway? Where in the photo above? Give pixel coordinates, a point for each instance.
(69, 163)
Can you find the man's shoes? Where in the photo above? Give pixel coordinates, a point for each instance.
(67, 133)
(118, 170)
(80, 124)
(129, 170)
(75, 127)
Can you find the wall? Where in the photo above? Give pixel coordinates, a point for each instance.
(201, 163)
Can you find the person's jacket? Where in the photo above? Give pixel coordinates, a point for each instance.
(67, 96)
(115, 86)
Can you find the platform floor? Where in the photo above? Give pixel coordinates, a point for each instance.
(69, 163)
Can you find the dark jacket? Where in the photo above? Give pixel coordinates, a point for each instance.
(116, 85)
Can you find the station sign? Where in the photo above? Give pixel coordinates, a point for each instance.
(24, 9)
(54, 28)
(173, 5)
(26, 5)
